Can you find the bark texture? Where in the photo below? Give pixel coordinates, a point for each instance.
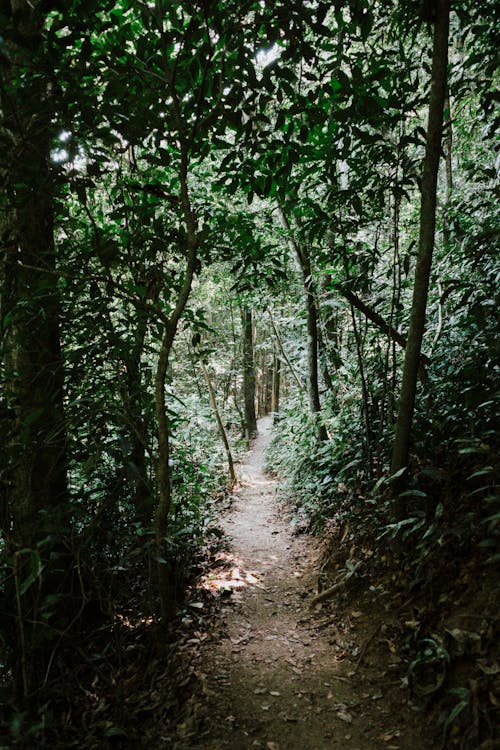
(426, 238)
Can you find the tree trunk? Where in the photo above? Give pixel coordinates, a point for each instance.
(426, 239)
(232, 480)
(304, 261)
(328, 336)
(312, 340)
(283, 353)
(276, 388)
(167, 585)
(448, 169)
(33, 470)
(34, 374)
(248, 373)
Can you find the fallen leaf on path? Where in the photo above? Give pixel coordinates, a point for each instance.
(272, 746)
(344, 716)
(251, 578)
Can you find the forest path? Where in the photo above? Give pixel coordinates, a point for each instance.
(276, 677)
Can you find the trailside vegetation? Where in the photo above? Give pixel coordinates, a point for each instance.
(211, 211)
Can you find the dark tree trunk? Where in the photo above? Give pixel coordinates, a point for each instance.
(248, 373)
(167, 583)
(33, 473)
(34, 374)
(138, 469)
(312, 340)
(304, 262)
(426, 239)
(275, 406)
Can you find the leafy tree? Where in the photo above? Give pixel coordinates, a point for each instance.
(147, 152)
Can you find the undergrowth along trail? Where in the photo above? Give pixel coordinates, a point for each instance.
(280, 676)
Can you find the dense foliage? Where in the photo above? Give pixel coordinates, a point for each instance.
(226, 196)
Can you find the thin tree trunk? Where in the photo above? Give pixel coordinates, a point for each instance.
(304, 262)
(276, 388)
(364, 393)
(269, 388)
(426, 240)
(232, 480)
(328, 336)
(283, 353)
(248, 373)
(167, 588)
(448, 169)
(312, 342)
(386, 403)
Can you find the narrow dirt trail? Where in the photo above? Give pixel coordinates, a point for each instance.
(274, 679)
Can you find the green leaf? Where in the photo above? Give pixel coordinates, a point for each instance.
(115, 732)
(482, 472)
(494, 559)
(413, 493)
(398, 473)
(454, 713)
(6, 320)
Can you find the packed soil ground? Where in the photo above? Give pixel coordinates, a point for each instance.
(276, 673)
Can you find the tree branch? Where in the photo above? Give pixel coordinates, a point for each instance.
(380, 322)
